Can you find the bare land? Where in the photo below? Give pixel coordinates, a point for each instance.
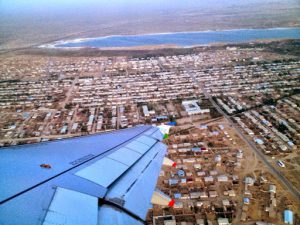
(21, 32)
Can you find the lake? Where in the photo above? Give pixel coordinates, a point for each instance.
(183, 39)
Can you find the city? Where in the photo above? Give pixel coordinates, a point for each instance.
(217, 100)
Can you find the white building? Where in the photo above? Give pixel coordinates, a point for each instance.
(146, 111)
(192, 108)
(223, 221)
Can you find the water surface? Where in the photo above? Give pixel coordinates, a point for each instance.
(184, 39)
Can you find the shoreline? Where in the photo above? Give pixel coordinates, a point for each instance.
(154, 50)
(53, 45)
(164, 46)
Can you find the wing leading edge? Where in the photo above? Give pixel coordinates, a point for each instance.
(112, 187)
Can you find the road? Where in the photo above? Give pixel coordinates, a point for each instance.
(290, 187)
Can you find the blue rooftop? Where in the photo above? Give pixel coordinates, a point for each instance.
(173, 181)
(173, 123)
(246, 200)
(177, 195)
(181, 173)
(288, 217)
(196, 149)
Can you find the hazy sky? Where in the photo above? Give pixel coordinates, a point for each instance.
(108, 10)
(59, 5)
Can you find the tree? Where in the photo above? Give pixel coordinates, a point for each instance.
(68, 106)
(84, 128)
(282, 128)
(270, 101)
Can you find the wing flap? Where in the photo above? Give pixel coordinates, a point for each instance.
(125, 156)
(109, 215)
(133, 191)
(98, 171)
(64, 208)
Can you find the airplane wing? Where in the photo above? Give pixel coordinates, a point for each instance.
(102, 179)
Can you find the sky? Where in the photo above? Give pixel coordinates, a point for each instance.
(92, 9)
(29, 6)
